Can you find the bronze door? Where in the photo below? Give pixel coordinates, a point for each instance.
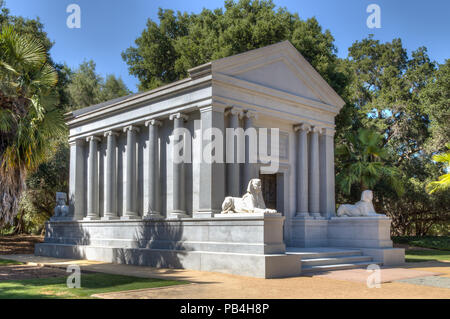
(269, 190)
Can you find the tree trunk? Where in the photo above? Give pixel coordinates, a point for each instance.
(12, 184)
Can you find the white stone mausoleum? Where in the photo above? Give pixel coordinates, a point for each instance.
(131, 202)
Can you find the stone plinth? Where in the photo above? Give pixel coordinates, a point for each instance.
(249, 246)
(361, 232)
(309, 232)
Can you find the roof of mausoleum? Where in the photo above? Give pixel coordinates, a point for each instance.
(242, 69)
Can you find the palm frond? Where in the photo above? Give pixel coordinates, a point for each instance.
(7, 120)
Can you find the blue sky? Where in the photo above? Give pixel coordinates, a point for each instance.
(108, 27)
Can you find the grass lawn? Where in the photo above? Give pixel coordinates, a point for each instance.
(93, 283)
(412, 255)
(7, 262)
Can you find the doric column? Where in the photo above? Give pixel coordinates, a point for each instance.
(233, 168)
(327, 175)
(314, 177)
(92, 182)
(302, 169)
(131, 180)
(154, 184)
(77, 180)
(251, 141)
(111, 177)
(178, 195)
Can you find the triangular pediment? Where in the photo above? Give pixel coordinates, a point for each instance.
(282, 68)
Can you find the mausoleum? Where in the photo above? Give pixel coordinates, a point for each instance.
(132, 200)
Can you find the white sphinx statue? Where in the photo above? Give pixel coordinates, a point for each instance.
(251, 202)
(362, 208)
(61, 209)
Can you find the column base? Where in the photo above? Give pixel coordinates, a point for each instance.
(303, 216)
(317, 216)
(91, 218)
(130, 216)
(153, 216)
(178, 214)
(109, 217)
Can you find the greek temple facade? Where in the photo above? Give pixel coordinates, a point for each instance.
(132, 201)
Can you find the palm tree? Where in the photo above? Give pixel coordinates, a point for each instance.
(29, 118)
(444, 181)
(363, 161)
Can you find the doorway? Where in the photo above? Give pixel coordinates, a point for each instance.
(269, 190)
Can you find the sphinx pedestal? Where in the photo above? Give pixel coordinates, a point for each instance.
(370, 234)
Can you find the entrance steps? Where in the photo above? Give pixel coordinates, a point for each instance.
(319, 259)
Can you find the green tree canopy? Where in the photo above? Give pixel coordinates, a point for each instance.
(86, 87)
(435, 98)
(395, 95)
(164, 52)
(29, 117)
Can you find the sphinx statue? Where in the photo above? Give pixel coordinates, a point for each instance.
(61, 209)
(251, 202)
(362, 208)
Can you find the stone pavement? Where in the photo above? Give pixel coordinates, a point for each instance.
(206, 285)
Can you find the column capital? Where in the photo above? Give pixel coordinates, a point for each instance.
(131, 128)
(153, 122)
(302, 127)
(235, 111)
(316, 129)
(250, 114)
(110, 133)
(178, 116)
(77, 142)
(328, 131)
(93, 138)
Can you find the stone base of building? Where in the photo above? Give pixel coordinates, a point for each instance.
(242, 245)
(260, 266)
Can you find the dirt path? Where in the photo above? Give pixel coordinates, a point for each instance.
(19, 244)
(18, 272)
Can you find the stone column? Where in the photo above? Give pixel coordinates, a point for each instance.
(131, 172)
(154, 183)
(92, 182)
(233, 169)
(251, 170)
(302, 170)
(314, 173)
(327, 175)
(178, 196)
(111, 177)
(77, 180)
(212, 166)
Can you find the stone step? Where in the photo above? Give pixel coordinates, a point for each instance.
(321, 252)
(335, 260)
(322, 268)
